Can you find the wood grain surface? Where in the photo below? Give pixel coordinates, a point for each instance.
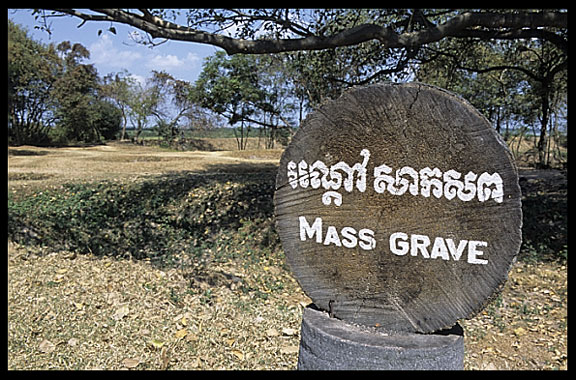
(398, 206)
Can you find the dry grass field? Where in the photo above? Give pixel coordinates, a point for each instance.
(85, 311)
(31, 168)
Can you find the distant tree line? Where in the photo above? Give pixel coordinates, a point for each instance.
(510, 64)
(54, 98)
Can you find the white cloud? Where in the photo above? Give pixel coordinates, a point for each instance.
(170, 62)
(138, 78)
(104, 53)
(193, 58)
(164, 62)
(109, 54)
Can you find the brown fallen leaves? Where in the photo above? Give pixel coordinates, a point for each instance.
(130, 363)
(120, 314)
(103, 313)
(46, 346)
(526, 326)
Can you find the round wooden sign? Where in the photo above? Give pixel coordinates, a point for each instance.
(398, 206)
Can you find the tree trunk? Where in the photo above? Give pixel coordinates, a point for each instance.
(545, 97)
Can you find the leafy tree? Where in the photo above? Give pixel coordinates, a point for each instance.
(494, 93)
(337, 48)
(117, 88)
(75, 95)
(280, 99)
(247, 90)
(31, 76)
(174, 103)
(108, 119)
(229, 86)
(143, 103)
(546, 70)
(52, 95)
(512, 82)
(359, 45)
(162, 98)
(326, 73)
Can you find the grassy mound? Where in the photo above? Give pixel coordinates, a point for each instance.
(165, 219)
(206, 217)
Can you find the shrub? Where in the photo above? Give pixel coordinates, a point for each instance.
(157, 219)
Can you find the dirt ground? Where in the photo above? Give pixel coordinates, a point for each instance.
(68, 311)
(82, 312)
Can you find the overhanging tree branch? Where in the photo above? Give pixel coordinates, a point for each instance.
(469, 24)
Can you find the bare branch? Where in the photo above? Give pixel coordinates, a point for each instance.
(470, 24)
(84, 16)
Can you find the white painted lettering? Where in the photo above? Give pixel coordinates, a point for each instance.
(407, 184)
(426, 182)
(367, 241)
(347, 236)
(349, 239)
(303, 174)
(332, 237)
(292, 174)
(308, 232)
(399, 248)
(456, 252)
(439, 249)
(419, 243)
(473, 252)
(451, 184)
(485, 192)
(332, 196)
(468, 191)
(445, 248)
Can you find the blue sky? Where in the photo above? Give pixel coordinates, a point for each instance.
(112, 53)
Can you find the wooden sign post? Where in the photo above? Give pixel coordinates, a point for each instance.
(398, 208)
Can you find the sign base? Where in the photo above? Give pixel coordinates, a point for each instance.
(332, 344)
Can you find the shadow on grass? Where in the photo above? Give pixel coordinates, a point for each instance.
(545, 214)
(185, 144)
(27, 152)
(226, 210)
(180, 212)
